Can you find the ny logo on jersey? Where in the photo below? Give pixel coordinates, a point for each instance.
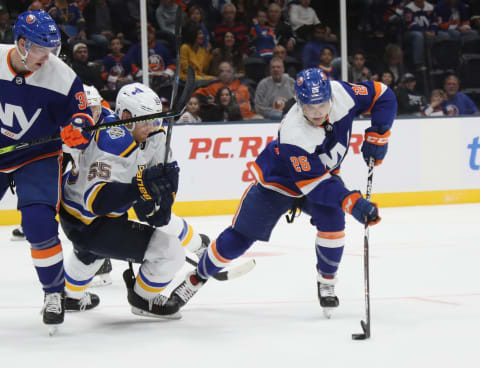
(334, 157)
(8, 115)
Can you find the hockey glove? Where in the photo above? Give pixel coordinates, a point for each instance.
(73, 135)
(152, 213)
(375, 145)
(157, 182)
(364, 211)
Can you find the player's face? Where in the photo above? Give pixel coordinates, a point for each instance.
(142, 131)
(37, 56)
(317, 114)
(96, 111)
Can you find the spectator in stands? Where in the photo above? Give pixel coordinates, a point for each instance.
(228, 24)
(88, 73)
(165, 15)
(312, 50)
(194, 54)
(392, 61)
(37, 5)
(195, 16)
(99, 23)
(326, 58)
(191, 115)
(228, 50)
(302, 18)
(274, 91)
(6, 29)
(453, 19)
(262, 36)
(161, 64)
(410, 102)
(358, 71)
(386, 77)
(292, 65)
(283, 32)
(457, 103)
(69, 19)
(226, 79)
(420, 28)
(113, 71)
(435, 107)
(229, 109)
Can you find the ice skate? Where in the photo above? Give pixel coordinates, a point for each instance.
(326, 295)
(205, 242)
(158, 307)
(102, 277)
(18, 235)
(53, 311)
(86, 302)
(187, 289)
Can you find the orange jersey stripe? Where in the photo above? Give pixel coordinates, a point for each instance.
(378, 90)
(51, 154)
(279, 186)
(217, 255)
(331, 234)
(240, 205)
(304, 183)
(46, 253)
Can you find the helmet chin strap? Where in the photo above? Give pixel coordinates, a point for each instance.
(22, 57)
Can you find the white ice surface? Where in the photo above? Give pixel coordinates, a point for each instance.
(425, 300)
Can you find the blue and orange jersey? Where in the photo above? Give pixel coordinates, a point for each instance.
(304, 159)
(448, 18)
(159, 59)
(36, 105)
(112, 65)
(419, 19)
(264, 40)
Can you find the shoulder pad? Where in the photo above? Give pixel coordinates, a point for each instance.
(116, 140)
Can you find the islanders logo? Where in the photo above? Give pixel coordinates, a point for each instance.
(299, 81)
(30, 19)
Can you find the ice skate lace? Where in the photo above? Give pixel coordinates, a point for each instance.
(53, 303)
(185, 292)
(85, 301)
(158, 300)
(327, 290)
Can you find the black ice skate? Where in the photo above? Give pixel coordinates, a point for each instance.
(187, 289)
(205, 242)
(53, 310)
(158, 307)
(18, 235)
(102, 277)
(327, 298)
(86, 302)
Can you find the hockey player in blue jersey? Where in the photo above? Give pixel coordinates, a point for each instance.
(39, 96)
(301, 169)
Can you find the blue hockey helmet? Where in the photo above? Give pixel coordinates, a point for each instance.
(39, 28)
(312, 87)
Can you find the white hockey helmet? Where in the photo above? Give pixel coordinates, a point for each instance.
(137, 99)
(93, 97)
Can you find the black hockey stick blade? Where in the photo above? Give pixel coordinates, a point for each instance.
(230, 273)
(366, 332)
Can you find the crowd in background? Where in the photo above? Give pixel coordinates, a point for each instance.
(246, 53)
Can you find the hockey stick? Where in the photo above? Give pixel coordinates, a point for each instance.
(231, 273)
(366, 324)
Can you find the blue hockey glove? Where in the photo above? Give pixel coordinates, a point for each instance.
(73, 135)
(364, 211)
(375, 145)
(152, 212)
(157, 182)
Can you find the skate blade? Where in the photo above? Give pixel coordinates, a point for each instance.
(327, 312)
(18, 238)
(142, 313)
(100, 282)
(52, 330)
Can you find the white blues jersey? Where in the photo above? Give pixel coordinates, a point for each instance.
(36, 105)
(112, 156)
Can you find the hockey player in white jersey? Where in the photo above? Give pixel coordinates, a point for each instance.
(300, 169)
(39, 96)
(122, 167)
